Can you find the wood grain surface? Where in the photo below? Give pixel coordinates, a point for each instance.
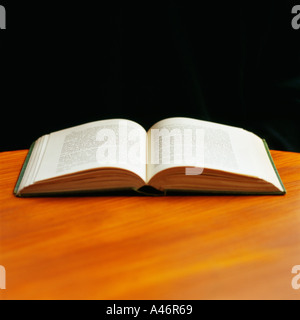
(201, 247)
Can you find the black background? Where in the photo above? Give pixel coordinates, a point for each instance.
(67, 63)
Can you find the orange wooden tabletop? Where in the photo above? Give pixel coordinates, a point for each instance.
(201, 247)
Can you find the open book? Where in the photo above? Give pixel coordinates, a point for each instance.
(175, 155)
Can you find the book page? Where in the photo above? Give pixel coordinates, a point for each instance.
(189, 142)
(113, 143)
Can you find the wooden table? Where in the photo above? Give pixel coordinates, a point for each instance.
(201, 247)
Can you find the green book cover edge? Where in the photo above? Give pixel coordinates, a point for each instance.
(274, 167)
(16, 189)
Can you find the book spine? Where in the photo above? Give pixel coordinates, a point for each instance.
(274, 167)
(16, 189)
